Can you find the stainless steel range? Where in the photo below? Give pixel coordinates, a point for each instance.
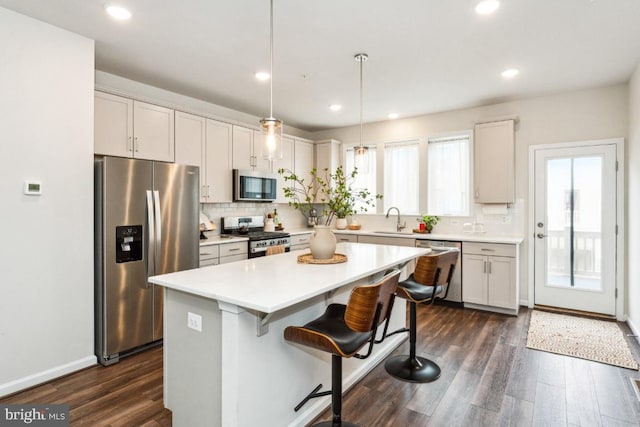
(253, 228)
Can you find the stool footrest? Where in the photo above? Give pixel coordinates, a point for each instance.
(314, 393)
(415, 370)
(399, 331)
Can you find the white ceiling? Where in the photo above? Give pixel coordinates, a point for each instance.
(425, 56)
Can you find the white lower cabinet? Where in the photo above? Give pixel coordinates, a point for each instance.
(223, 253)
(490, 276)
(300, 241)
(230, 252)
(209, 255)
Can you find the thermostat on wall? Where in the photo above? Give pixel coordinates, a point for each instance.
(32, 188)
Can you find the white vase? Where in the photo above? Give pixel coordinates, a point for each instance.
(323, 242)
(341, 223)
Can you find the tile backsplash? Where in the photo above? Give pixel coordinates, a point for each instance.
(289, 217)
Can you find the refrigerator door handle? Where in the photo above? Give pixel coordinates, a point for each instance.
(158, 217)
(152, 238)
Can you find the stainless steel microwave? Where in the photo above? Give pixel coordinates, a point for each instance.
(254, 186)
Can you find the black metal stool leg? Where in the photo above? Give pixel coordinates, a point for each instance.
(336, 396)
(412, 368)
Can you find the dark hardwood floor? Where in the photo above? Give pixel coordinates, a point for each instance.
(489, 378)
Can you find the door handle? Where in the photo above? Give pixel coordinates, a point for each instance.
(152, 237)
(158, 246)
(540, 235)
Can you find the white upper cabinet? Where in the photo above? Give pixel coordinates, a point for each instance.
(128, 128)
(494, 162)
(287, 162)
(246, 153)
(219, 174)
(206, 143)
(153, 135)
(327, 155)
(113, 127)
(303, 160)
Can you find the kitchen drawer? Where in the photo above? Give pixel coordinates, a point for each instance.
(490, 249)
(233, 258)
(301, 239)
(227, 249)
(346, 238)
(209, 251)
(211, 261)
(299, 247)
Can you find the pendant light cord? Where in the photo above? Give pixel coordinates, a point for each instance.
(361, 100)
(271, 60)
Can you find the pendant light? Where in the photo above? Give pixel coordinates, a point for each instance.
(361, 153)
(271, 127)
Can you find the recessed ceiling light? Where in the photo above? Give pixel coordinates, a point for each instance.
(487, 7)
(510, 73)
(262, 75)
(335, 107)
(393, 116)
(117, 12)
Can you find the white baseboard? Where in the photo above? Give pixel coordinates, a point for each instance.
(44, 376)
(634, 329)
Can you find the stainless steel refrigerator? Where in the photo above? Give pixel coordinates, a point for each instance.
(146, 223)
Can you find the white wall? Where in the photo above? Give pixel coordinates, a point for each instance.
(46, 255)
(633, 204)
(598, 113)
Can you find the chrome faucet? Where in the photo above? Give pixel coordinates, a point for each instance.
(399, 226)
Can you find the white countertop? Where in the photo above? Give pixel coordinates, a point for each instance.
(457, 237)
(269, 284)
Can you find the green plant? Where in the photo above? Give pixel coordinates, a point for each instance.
(334, 190)
(429, 221)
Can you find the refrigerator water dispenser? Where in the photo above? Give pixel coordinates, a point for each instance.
(128, 243)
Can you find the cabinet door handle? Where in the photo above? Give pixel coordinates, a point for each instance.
(233, 249)
(487, 250)
(484, 267)
(130, 144)
(208, 191)
(489, 267)
(136, 144)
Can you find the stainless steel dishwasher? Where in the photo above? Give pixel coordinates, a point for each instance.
(455, 290)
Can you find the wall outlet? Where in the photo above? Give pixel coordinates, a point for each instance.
(454, 221)
(194, 321)
(506, 219)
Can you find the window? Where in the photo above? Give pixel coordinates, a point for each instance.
(363, 180)
(449, 176)
(401, 181)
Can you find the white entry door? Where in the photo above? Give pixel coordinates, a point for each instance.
(575, 228)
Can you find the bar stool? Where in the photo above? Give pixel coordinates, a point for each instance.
(342, 331)
(429, 281)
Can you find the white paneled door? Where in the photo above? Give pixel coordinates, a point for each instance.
(575, 227)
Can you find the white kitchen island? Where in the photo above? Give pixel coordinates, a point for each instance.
(238, 370)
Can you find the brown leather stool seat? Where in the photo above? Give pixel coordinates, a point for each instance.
(429, 281)
(343, 330)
